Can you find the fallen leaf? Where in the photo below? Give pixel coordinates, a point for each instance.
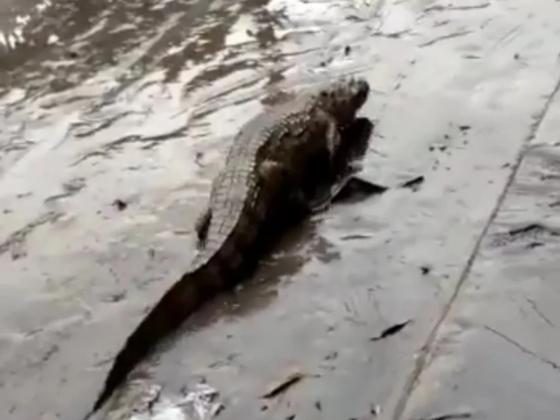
(391, 330)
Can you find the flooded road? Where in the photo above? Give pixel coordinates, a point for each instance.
(115, 116)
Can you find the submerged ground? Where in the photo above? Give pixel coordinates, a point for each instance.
(114, 117)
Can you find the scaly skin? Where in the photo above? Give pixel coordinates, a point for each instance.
(265, 175)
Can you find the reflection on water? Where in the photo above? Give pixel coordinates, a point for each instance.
(13, 33)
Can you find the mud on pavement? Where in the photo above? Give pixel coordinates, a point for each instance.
(137, 101)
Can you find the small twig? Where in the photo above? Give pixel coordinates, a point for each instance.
(414, 183)
(454, 416)
(283, 386)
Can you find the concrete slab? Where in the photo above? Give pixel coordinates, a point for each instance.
(138, 100)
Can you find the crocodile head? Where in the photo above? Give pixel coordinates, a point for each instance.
(343, 98)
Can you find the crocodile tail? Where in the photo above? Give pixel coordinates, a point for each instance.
(180, 301)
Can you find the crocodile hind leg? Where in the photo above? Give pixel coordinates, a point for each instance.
(277, 178)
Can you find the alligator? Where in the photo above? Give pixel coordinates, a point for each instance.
(142, 398)
(280, 167)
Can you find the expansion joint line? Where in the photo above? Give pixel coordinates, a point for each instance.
(426, 349)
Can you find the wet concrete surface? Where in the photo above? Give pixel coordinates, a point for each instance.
(137, 101)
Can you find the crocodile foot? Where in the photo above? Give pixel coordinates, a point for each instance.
(356, 189)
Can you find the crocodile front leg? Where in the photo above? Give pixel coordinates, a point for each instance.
(339, 182)
(321, 170)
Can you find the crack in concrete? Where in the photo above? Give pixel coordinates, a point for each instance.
(539, 312)
(523, 349)
(426, 350)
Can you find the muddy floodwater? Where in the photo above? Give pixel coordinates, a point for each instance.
(437, 301)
